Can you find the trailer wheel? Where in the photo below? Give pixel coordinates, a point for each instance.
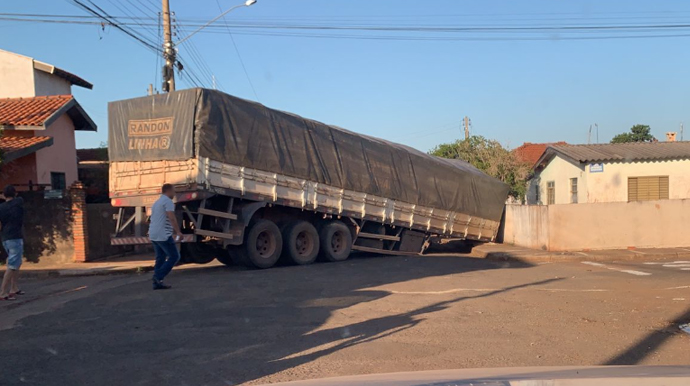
(235, 255)
(197, 253)
(300, 242)
(263, 244)
(336, 241)
(225, 258)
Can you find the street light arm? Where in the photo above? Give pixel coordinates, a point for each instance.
(247, 4)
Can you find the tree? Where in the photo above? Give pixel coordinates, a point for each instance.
(491, 158)
(638, 133)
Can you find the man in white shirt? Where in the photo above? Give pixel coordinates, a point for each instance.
(163, 225)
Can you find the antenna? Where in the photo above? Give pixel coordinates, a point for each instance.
(589, 135)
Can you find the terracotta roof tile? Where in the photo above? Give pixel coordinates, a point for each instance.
(531, 152)
(30, 111)
(15, 147)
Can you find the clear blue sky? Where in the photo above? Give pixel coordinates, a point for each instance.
(414, 92)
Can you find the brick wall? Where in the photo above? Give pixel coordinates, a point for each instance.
(80, 227)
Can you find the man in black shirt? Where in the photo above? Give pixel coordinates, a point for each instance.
(12, 221)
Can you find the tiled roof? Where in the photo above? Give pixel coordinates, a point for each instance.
(531, 152)
(16, 147)
(623, 152)
(31, 111)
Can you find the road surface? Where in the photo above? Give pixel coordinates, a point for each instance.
(228, 326)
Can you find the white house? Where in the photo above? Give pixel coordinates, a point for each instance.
(569, 174)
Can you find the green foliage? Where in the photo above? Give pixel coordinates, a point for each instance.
(638, 133)
(491, 158)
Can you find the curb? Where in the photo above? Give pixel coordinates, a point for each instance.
(571, 257)
(48, 273)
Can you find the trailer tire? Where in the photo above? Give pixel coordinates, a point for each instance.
(336, 241)
(197, 253)
(263, 244)
(236, 255)
(300, 243)
(225, 258)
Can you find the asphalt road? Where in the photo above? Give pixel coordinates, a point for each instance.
(224, 326)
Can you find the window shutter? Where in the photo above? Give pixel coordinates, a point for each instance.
(632, 189)
(647, 188)
(663, 188)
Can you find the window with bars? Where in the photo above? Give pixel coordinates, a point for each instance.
(573, 190)
(550, 193)
(647, 188)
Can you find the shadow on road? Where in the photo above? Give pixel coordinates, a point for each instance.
(650, 343)
(223, 326)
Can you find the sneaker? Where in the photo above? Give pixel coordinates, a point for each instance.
(158, 285)
(20, 292)
(8, 297)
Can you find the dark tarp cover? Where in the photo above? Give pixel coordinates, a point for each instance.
(245, 133)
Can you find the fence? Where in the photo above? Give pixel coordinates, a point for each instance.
(101, 226)
(569, 227)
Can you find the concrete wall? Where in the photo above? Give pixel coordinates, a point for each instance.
(560, 172)
(647, 224)
(61, 156)
(611, 185)
(47, 228)
(47, 84)
(527, 226)
(16, 76)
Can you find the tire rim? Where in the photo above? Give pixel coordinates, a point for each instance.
(304, 244)
(338, 242)
(265, 244)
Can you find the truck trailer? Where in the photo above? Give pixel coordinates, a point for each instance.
(257, 185)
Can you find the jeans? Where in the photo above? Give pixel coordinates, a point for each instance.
(15, 250)
(166, 258)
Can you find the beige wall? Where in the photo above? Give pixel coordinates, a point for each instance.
(16, 76)
(527, 226)
(47, 84)
(560, 172)
(648, 224)
(611, 185)
(61, 156)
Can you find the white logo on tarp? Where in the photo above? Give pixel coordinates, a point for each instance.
(149, 134)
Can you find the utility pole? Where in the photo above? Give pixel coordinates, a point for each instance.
(168, 51)
(466, 123)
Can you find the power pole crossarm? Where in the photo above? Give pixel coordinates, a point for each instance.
(168, 50)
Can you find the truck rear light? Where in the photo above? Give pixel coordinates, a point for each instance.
(117, 202)
(188, 196)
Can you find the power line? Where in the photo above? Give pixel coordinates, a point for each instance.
(246, 74)
(196, 57)
(148, 29)
(107, 18)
